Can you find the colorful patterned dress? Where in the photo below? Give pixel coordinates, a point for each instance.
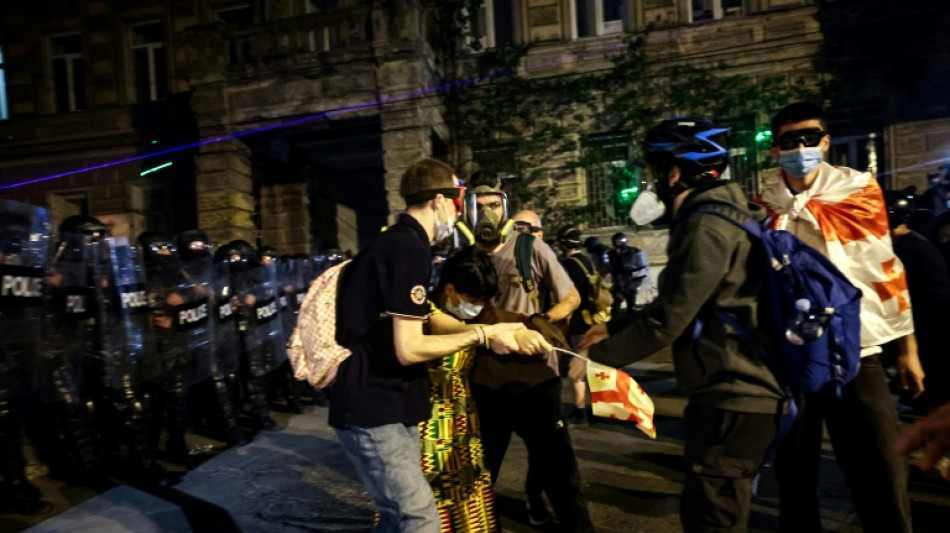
(452, 456)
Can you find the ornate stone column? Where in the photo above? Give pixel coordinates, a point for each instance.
(224, 191)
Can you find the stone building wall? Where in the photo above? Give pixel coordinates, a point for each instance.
(916, 150)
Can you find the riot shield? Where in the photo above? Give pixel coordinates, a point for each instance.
(24, 238)
(304, 276)
(258, 297)
(68, 317)
(131, 282)
(187, 301)
(227, 348)
(287, 274)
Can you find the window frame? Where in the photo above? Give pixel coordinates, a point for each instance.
(150, 48)
(4, 104)
(70, 60)
(718, 11)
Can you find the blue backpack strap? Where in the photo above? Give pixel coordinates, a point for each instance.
(789, 419)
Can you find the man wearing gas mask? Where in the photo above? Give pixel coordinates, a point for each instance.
(734, 400)
(497, 381)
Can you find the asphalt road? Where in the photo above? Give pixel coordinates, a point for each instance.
(296, 479)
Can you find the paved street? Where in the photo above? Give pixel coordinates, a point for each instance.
(296, 479)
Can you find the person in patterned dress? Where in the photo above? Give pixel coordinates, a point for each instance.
(452, 457)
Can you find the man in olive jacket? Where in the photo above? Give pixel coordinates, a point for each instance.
(735, 403)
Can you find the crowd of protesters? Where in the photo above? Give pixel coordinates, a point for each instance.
(446, 368)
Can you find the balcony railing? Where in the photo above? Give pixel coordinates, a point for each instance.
(317, 33)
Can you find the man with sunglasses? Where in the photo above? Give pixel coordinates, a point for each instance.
(841, 212)
(381, 392)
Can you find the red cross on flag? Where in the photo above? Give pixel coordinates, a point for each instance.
(614, 394)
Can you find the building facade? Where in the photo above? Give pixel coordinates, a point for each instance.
(289, 122)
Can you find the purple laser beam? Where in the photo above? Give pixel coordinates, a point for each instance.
(382, 101)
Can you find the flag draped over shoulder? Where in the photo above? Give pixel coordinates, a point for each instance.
(614, 394)
(847, 208)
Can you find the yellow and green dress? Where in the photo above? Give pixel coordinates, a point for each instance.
(452, 456)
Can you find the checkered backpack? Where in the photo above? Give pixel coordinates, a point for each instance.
(313, 349)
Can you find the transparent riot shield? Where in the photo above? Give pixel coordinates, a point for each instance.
(304, 276)
(67, 327)
(131, 282)
(227, 347)
(107, 354)
(258, 299)
(189, 304)
(24, 239)
(287, 273)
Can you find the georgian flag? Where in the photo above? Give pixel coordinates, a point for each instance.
(846, 208)
(614, 394)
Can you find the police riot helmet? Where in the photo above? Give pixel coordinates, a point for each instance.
(239, 254)
(85, 225)
(157, 248)
(485, 224)
(697, 147)
(193, 244)
(268, 255)
(900, 205)
(619, 239)
(334, 256)
(569, 237)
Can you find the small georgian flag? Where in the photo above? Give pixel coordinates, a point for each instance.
(614, 394)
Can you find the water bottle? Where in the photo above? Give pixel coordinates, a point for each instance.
(805, 325)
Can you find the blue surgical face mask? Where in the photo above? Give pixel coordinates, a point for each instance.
(464, 310)
(800, 161)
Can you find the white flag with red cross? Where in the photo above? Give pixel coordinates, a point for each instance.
(614, 394)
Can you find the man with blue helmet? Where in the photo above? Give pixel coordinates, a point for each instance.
(735, 402)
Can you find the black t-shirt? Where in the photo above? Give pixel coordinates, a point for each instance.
(577, 326)
(387, 279)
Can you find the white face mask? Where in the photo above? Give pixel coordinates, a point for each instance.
(646, 208)
(443, 228)
(464, 310)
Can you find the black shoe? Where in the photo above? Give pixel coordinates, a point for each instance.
(578, 418)
(537, 511)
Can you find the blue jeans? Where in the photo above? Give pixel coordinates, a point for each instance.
(388, 461)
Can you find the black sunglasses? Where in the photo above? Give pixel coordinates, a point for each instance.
(810, 137)
(525, 227)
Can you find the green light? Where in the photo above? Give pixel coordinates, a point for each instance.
(631, 191)
(154, 142)
(763, 135)
(156, 169)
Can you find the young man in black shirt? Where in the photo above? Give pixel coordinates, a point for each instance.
(381, 392)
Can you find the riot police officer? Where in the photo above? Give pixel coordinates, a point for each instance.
(256, 313)
(282, 385)
(62, 427)
(24, 233)
(628, 269)
(213, 405)
(179, 306)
